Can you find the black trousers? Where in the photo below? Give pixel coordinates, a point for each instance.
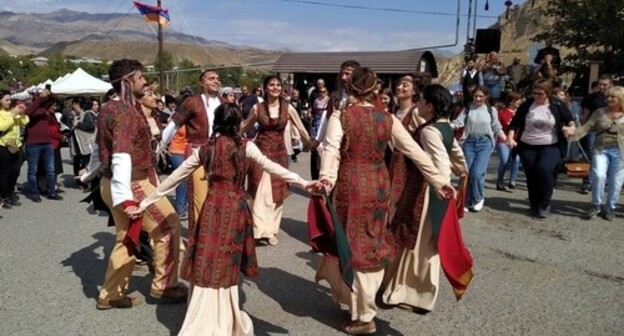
(315, 164)
(80, 162)
(539, 164)
(10, 165)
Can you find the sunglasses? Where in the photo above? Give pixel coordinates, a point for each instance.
(537, 93)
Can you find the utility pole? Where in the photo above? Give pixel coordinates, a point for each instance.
(160, 54)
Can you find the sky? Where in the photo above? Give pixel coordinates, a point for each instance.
(304, 25)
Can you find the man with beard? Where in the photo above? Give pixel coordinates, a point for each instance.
(129, 174)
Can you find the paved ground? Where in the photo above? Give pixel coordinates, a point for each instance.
(561, 276)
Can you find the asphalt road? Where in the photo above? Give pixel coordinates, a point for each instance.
(560, 276)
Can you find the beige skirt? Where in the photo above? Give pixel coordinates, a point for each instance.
(415, 275)
(266, 214)
(215, 312)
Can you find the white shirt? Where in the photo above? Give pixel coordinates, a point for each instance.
(211, 104)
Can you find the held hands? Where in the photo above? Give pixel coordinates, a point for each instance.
(511, 143)
(447, 192)
(568, 131)
(314, 187)
(502, 137)
(133, 212)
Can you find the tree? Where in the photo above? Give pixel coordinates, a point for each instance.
(592, 29)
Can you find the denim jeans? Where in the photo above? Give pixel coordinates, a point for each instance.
(506, 162)
(34, 153)
(181, 192)
(607, 167)
(477, 150)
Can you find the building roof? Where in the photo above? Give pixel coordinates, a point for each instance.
(383, 62)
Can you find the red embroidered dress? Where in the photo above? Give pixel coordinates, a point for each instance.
(221, 244)
(270, 141)
(361, 193)
(407, 197)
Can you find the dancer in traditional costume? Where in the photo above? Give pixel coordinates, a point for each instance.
(414, 276)
(353, 162)
(273, 115)
(129, 175)
(221, 244)
(197, 114)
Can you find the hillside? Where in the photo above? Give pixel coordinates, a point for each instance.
(525, 21)
(110, 36)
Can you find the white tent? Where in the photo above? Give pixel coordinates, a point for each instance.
(80, 82)
(61, 78)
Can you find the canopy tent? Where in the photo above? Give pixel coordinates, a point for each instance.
(80, 82)
(61, 78)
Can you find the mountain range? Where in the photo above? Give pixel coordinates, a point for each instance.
(110, 36)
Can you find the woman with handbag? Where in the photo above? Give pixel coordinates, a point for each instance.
(542, 125)
(11, 157)
(607, 164)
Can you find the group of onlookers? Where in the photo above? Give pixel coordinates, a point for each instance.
(34, 132)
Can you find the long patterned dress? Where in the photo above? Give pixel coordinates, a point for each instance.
(353, 161)
(221, 245)
(413, 279)
(362, 186)
(270, 140)
(408, 197)
(268, 193)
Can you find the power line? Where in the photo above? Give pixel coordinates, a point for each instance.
(214, 57)
(378, 9)
(111, 29)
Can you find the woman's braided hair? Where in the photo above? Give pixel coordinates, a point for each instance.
(227, 120)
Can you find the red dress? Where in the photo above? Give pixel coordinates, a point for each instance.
(221, 244)
(407, 197)
(270, 141)
(361, 193)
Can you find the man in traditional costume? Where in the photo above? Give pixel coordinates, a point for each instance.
(197, 114)
(128, 175)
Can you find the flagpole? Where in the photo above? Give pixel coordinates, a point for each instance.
(160, 54)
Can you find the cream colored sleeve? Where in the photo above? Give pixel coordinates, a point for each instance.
(432, 144)
(275, 169)
(330, 157)
(250, 121)
(298, 124)
(403, 142)
(169, 184)
(458, 160)
(288, 138)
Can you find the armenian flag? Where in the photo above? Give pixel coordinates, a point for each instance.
(153, 13)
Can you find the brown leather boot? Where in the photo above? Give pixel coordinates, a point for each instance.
(125, 302)
(360, 328)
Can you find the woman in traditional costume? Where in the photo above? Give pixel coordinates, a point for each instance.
(221, 244)
(273, 115)
(353, 164)
(414, 276)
